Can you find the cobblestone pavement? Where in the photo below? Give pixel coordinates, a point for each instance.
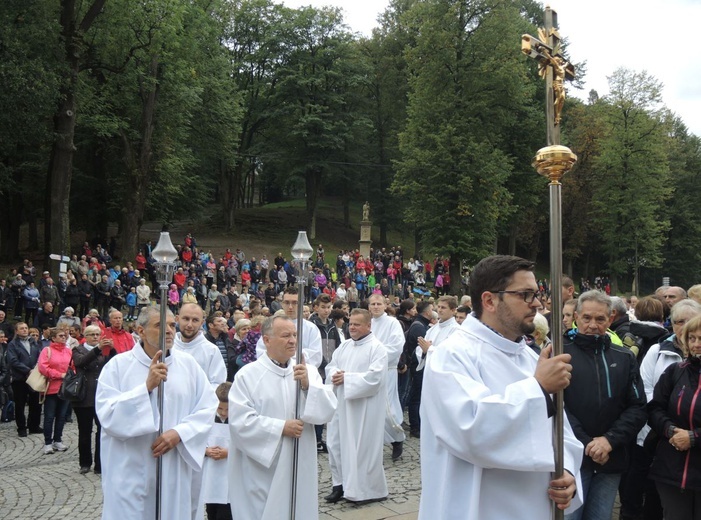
(34, 486)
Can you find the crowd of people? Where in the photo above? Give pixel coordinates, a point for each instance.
(474, 374)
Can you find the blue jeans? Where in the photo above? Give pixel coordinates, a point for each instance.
(55, 410)
(599, 494)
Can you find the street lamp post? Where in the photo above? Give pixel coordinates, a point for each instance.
(301, 252)
(165, 256)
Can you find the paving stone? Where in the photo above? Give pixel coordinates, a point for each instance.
(34, 486)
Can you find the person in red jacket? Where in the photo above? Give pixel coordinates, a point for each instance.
(53, 363)
(119, 338)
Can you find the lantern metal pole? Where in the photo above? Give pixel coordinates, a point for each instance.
(165, 255)
(301, 251)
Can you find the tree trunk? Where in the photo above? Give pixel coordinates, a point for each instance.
(10, 222)
(56, 216)
(139, 167)
(454, 272)
(313, 188)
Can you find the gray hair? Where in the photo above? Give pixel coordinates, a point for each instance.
(92, 328)
(147, 313)
(618, 305)
(684, 306)
(594, 296)
(267, 327)
(541, 324)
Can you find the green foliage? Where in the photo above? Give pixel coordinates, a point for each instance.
(631, 175)
(468, 88)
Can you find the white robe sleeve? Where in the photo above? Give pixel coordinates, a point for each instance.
(358, 385)
(216, 371)
(258, 436)
(319, 405)
(509, 431)
(312, 351)
(124, 414)
(194, 428)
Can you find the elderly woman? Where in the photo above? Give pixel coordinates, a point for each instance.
(53, 363)
(68, 317)
(675, 416)
(540, 334)
(89, 358)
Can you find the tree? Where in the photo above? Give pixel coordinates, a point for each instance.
(468, 83)
(30, 78)
(75, 23)
(631, 176)
(316, 117)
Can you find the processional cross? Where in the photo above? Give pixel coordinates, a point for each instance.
(553, 162)
(552, 66)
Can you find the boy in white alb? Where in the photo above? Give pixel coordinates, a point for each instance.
(215, 488)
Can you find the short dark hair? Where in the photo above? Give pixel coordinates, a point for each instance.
(223, 392)
(463, 309)
(322, 298)
(422, 306)
(338, 304)
(290, 290)
(494, 273)
(337, 314)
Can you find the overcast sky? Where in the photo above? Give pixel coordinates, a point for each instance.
(607, 34)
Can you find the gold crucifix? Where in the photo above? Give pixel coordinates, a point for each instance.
(553, 67)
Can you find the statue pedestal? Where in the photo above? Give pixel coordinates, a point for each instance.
(365, 242)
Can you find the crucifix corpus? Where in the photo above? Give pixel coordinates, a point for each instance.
(553, 162)
(553, 67)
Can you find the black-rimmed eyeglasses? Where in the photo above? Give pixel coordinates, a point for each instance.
(528, 296)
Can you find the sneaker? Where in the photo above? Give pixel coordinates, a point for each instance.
(59, 446)
(321, 447)
(48, 449)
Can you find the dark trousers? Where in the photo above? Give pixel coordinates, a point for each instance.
(678, 504)
(26, 396)
(54, 418)
(19, 304)
(86, 417)
(30, 315)
(414, 401)
(218, 511)
(84, 308)
(638, 494)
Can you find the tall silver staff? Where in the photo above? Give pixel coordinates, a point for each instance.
(165, 256)
(553, 162)
(301, 252)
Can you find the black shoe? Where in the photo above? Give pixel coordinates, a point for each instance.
(368, 501)
(321, 447)
(98, 471)
(69, 419)
(22, 433)
(336, 495)
(415, 433)
(84, 470)
(397, 449)
(38, 430)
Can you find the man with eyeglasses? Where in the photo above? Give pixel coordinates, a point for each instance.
(605, 404)
(311, 337)
(487, 413)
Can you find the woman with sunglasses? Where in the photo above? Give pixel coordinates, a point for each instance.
(89, 358)
(53, 363)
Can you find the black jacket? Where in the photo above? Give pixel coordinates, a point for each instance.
(90, 363)
(675, 393)
(418, 328)
(606, 397)
(21, 362)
